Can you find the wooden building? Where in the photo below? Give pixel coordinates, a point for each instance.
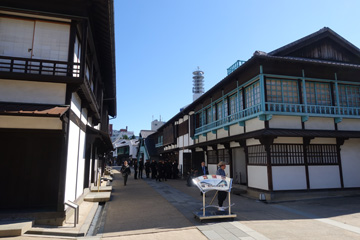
(57, 90)
(284, 120)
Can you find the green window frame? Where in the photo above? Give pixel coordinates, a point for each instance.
(349, 95)
(318, 93)
(252, 94)
(282, 91)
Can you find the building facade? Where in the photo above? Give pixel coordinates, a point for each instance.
(57, 90)
(284, 120)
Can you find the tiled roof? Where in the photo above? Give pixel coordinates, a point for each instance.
(32, 109)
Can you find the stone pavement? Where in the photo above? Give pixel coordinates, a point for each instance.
(146, 209)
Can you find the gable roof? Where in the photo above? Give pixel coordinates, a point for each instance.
(323, 44)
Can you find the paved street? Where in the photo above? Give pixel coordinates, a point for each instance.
(146, 209)
(161, 208)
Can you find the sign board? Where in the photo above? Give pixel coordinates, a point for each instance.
(213, 182)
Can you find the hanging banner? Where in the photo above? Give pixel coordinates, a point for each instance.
(213, 182)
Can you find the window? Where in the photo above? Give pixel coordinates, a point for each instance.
(223, 155)
(288, 154)
(208, 115)
(212, 157)
(257, 155)
(219, 106)
(233, 106)
(318, 93)
(252, 94)
(322, 154)
(349, 96)
(282, 91)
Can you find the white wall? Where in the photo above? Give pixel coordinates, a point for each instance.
(320, 123)
(236, 129)
(349, 125)
(324, 177)
(350, 162)
(289, 177)
(221, 133)
(254, 124)
(81, 166)
(71, 165)
(32, 92)
(76, 104)
(258, 177)
(289, 122)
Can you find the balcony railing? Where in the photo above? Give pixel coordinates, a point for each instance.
(233, 67)
(289, 109)
(39, 66)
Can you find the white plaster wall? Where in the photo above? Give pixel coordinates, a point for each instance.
(180, 141)
(234, 144)
(221, 133)
(323, 141)
(32, 92)
(289, 177)
(81, 166)
(252, 141)
(292, 140)
(236, 129)
(76, 104)
(254, 124)
(350, 162)
(258, 177)
(186, 117)
(211, 136)
(324, 177)
(202, 138)
(213, 168)
(349, 125)
(320, 123)
(181, 158)
(288, 122)
(71, 165)
(191, 141)
(84, 116)
(30, 122)
(186, 139)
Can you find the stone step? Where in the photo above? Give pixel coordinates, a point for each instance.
(12, 228)
(97, 197)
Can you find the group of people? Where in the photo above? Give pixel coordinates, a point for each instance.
(164, 170)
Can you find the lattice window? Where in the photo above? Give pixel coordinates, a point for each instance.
(208, 115)
(318, 93)
(212, 157)
(287, 154)
(257, 155)
(318, 154)
(252, 94)
(219, 107)
(223, 155)
(349, 96)
(225, 107)
(282, 91)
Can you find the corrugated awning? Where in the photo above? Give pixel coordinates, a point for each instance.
(39, 110)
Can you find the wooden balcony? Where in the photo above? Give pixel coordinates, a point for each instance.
(29, 68)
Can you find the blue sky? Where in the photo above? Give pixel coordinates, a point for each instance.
(159, 43)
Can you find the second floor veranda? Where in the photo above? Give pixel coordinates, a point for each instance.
(267, 94)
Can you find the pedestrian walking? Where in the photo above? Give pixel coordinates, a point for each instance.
(147, 168)
(125, 170)
(221, 194)
(153, 167)
(141, 167)
(135, 169)
(203, 170)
